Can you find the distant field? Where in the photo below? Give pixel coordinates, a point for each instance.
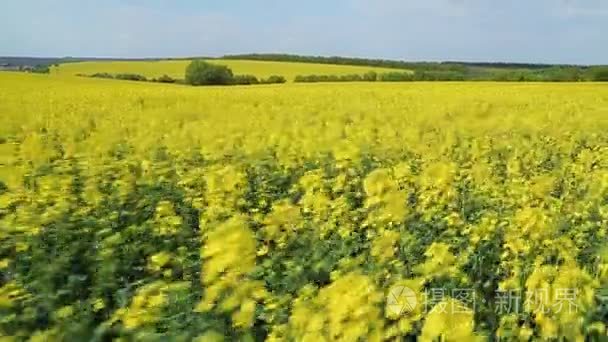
(176, 69)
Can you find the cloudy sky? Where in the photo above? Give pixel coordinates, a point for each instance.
(561, 31)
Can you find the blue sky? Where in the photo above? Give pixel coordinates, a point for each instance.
(562, 31)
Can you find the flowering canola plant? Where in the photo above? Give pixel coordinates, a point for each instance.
(436, 211)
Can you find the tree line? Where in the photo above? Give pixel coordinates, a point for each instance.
(426, 71)
(554, 74)
(445, 71)
(198, 73)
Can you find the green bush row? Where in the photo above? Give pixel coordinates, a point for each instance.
(125, 76)
(200, 72)
(557, 74)
(371, 76)
(395, 76)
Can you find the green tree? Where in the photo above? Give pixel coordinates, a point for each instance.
(600, 74)
(200, 72)
(41, 69)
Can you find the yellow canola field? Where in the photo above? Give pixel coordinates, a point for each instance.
(176, 69)
(301, 118)
(442, 211)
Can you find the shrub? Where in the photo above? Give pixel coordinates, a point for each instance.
(396, 77)
(350, 78)
(165, 79)
(316, 78)
(200, 72)
(274, 79)
(131, 77)
(438, 76)
(370, 76)
(245, 80)
(102, 75)
(301, 79)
